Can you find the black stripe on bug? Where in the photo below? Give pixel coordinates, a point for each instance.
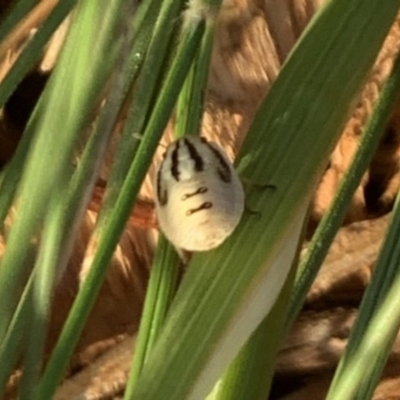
(223, 170)
(162, 194)
(204, 206)
(195, 156)
(175, 161)
(200, 190)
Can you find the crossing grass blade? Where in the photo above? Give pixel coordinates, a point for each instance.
(333, 218)
(378, 321)
(226, 293)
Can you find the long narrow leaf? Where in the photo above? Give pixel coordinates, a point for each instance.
(75, 107)
(333, 218)
(17, 12)
(226, 293)
(34, 48)
(376, 327)
(347, 382)
(145, 92)
(161, 289)
(87, 294)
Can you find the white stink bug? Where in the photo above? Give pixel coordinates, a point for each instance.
(199, 197)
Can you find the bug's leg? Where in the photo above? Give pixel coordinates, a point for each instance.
(252, 212)
(248, 185)
(267, 186)
(184, 255)
(137, 136)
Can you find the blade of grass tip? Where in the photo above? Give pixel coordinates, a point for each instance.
(225, 294)
(17, 12)
(333, 218)
(62, 223)
(34, 49)
(143, 100)
(88, 292)
(160, 291)
(75, 105)
(376, 326)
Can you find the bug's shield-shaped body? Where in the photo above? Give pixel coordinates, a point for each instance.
(199, 197)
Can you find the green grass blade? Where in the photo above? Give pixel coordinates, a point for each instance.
(333, 218)
(225, 294)
(384, 280)
(40, 300)
(65, 215)
(164, 272)
(23, 64)
(145, 92)
(34, 49)
(17, 12)
(87, 294)
(190, 106)
(213, 287)
(376, 326)
(14, 169)
(161, 289)
(75, 106)
(11, 346)
(165, 268)
(250, 374)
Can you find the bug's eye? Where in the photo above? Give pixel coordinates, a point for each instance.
(203, 139)
(164, 154)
